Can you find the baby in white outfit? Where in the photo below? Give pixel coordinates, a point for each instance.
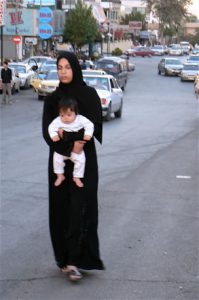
(69, 120)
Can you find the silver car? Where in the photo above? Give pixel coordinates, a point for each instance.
(110, 93)
(25, 73)
(169, 66)
(189, 71)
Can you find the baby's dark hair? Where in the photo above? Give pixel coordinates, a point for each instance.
(68, 103)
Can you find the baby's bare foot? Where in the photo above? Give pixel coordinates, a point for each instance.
(59, 180)
(78, 182)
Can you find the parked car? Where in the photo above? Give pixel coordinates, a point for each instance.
(110, 93)
(130, 51)
(169, 66)
(116, 66)
(25, 73)
(15, 85)
(175, 49)
(48, 84)
(189, 71)
(142, 51)
(158, 50)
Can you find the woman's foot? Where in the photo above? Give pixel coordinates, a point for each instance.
(65, 270)
(59, 180)
(78, 182)
(73, 273)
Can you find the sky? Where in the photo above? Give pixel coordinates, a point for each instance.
(194, 8)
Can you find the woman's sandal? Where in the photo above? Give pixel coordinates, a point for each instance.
(74, 275)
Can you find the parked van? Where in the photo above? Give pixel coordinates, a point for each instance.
(116, 66)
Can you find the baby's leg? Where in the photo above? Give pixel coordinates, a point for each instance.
(58, 166)
(79, 167)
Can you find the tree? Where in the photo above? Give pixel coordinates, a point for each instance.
(81, 27)
(134, 16)
(170, 13)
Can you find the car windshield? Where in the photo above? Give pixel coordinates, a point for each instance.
(176, 46)
(47, 68)
(20, 69)
(52, 75)
(195, 58)
(191, 67)
(173, 62)
(97, 82)
(109, 67)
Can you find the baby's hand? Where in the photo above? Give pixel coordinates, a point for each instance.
(87, 137)
(56, 138)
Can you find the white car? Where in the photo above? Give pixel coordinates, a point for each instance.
(36, 60)
(158, 50)
(175, 49)
(15, 86)
(25, 73)
(110, 93)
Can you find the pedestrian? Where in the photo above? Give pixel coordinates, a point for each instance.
(83, 65)
(73, 211)
(69, 121)
(6, 77)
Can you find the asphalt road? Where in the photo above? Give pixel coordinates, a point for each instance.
(148, 198)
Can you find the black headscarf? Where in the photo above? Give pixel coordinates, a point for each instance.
(74, 63)
(88, 100)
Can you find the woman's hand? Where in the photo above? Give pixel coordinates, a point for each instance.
(78, 146)
(60, 132)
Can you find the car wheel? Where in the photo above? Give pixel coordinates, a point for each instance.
(40, 97)
(118, 114)
(13, 89)
(108, 115)
(26, 85)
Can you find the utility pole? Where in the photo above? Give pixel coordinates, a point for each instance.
(16, 29)
(2, 23)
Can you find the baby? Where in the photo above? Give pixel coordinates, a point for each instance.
(69, 120)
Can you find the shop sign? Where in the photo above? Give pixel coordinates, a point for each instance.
(2, 12)
(45, 15)
(45, 31)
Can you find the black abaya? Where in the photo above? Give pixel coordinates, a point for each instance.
(73, 211)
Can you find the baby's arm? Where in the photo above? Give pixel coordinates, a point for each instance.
(53, 130)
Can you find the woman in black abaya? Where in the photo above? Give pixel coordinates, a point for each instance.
(73, 211)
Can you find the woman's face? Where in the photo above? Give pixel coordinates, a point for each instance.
(65, 71)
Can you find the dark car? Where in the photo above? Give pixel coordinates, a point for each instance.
(115, 66)
(143, 51)
(170, 66)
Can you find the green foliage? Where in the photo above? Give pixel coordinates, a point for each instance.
(81, 27)
(170, 13)
(117, 52)
(133, 16)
